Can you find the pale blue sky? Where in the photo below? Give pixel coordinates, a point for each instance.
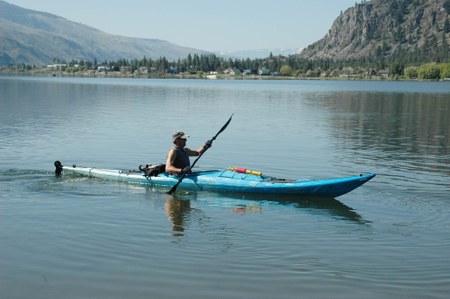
(212, 25)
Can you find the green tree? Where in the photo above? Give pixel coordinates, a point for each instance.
(411, 72)
(430, 71)
(446, 26)
(447, 6)
(395, 69)
(445, 71)
(286, 70)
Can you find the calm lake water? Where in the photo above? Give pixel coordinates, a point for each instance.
(73, 237)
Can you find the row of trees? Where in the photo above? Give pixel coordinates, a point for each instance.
(428, 71)
(398, 65)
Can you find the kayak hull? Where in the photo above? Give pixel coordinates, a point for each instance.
(231, 181)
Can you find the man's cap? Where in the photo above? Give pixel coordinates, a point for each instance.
(179, 134)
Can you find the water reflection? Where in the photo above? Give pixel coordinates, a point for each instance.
(327, 206)
(334, 208)
(181, 214)
(414, 123)
(178, 212)
(242, 209)
(403, 135)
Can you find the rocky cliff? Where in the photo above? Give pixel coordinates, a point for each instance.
(385, 28)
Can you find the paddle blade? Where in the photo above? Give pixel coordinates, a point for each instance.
(224, 127)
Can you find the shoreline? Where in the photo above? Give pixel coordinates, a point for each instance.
(102, 74)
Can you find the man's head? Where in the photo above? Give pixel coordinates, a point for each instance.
(179, 135)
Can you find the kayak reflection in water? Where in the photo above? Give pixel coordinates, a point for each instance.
(178, 157)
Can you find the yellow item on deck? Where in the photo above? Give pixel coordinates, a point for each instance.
(247, 171)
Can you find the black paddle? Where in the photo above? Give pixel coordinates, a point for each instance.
(174, 188)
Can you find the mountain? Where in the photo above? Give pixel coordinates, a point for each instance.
(32, 37)
(387, 28)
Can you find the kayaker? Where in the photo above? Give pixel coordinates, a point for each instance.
(178, 157)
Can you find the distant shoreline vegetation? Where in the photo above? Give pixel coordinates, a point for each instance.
(211, 66)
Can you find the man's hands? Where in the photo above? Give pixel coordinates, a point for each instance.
(208, 144)
(187, 169)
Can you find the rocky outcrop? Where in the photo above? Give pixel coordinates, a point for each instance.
(382, 28)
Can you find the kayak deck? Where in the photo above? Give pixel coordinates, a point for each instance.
(231, 181)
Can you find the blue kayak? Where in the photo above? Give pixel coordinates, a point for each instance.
(229, 180)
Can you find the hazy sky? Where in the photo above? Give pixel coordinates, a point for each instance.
(213, 25)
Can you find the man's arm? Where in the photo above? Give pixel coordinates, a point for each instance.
(200, 150)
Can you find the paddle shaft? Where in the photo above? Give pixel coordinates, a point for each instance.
(174, 188)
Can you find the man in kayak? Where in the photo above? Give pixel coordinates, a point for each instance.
(178, 157)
